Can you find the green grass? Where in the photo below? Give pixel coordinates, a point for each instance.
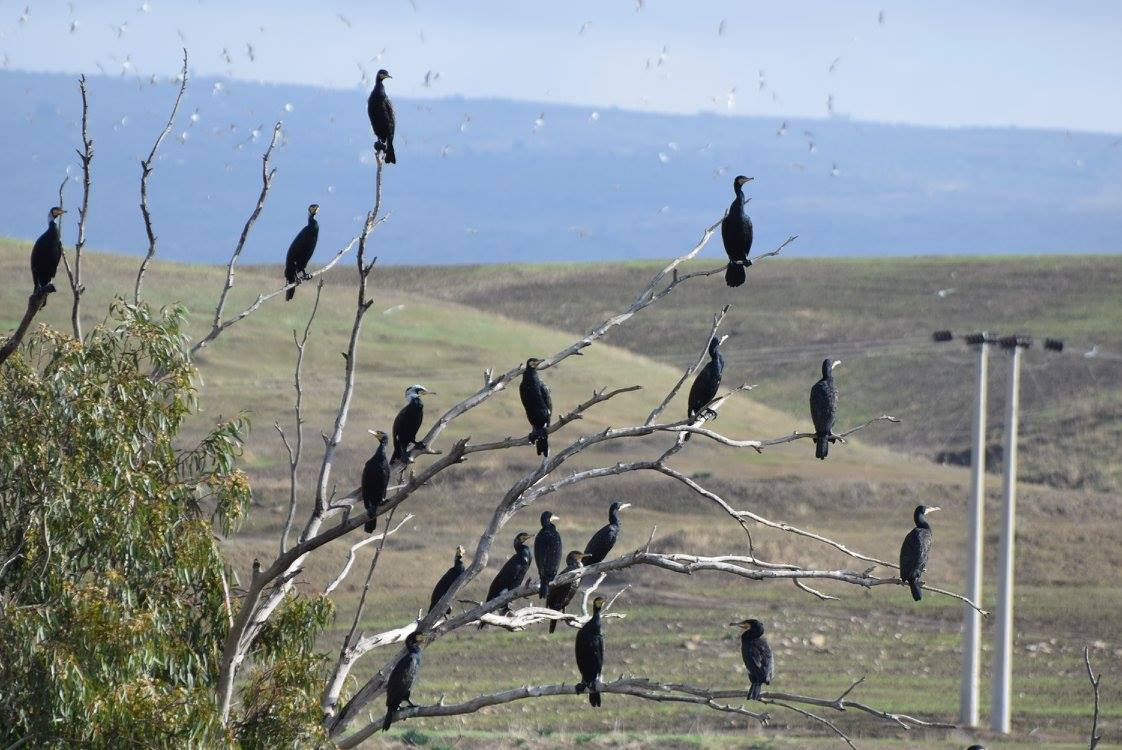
(457, 322)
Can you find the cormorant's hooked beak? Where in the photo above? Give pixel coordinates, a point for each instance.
(625, 505)
(932, 509)
(837, 363)
(554, 517)
(378, 434)
(743, 625)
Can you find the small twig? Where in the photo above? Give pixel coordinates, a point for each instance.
(85, 156)
(145, 171)
(1095, 680)
(691, 369)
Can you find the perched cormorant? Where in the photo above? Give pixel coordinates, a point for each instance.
(380, 110)
(756, 652)
(512, 572)
(407, 423)
(300, 252)
(375, 480)
(447, 580)
(46, 254)
(976, 747)
(538, 405)
(547, 552)
(590, 653)
(824, 407)
(560, 596)
(736, 232)
(708, 380)
(403, 676)
(914, 551)
(603, 540)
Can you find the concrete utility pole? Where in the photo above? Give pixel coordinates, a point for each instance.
(1000, 719)
(972, 619)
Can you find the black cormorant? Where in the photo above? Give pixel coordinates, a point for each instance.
(538, 405)
(560, 595)
(603, 540)
(407, 423)
(590, 653)
(914, 551)
(403, 676)
(300, 252)
(46, 254)
(824, 407)
(447, 580)
(375, 480)
(736, 232)
(380, 110)
(756, 652)
(708, 380)
(512, 572)
(547, 552)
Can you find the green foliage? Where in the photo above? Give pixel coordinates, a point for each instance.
(113, 591)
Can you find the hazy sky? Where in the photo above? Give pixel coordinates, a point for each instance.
(1000, 62)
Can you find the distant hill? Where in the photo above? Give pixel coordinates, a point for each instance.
(477, 182)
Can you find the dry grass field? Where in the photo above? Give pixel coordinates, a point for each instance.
(442, 327)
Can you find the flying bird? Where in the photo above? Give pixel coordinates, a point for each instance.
(834, 64)
(721, 27)
(944, 293)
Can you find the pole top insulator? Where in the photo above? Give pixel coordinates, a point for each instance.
(981, 337)
(1017, 340)
(1054, 345)
(941, 336)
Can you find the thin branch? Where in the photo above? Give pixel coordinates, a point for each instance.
(717, 319)
(267, 175)
(145, 171)
(294, 453)
(1095, 680)
(35, 303)
(350, 561)
(85, 156)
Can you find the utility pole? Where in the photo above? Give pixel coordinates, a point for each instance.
(972, 619)
(1000, 719)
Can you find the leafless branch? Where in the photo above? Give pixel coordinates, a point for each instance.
(267, 175)
(74, 275)
(145, 171)
(717, 319)
(350, 561)
(294, 452)
(34, 304)
(1095, 680)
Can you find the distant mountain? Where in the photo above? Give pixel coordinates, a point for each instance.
(490, 180)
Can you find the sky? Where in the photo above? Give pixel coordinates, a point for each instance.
(1025, 63)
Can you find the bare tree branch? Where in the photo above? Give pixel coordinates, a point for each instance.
(350, 561)
(145, 171)
(1095, 680)
(34, 304)
(294, 452)
(75, 275)
(717, 319)
(267, 175)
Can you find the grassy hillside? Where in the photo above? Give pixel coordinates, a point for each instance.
(442, 327)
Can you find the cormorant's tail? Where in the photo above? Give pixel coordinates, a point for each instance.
(396, 455)
(594, 699)
(543, 588)
(370, 525)
(540, 436)
(388, 720)
(917, 592)
(552, 625)
(823, 448)
(290, 294)
(734, 274)
(391, 158)
(754, 691)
